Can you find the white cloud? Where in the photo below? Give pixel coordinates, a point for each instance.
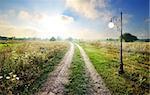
(9, 30)
(35, 24)
(88, 8)
(42, 17)
(31, 17)
(24, 15)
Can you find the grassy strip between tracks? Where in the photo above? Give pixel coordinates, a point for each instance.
(78, 80)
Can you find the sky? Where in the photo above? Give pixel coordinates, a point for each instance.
(80, 19)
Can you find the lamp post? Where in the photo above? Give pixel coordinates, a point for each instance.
(111, 25)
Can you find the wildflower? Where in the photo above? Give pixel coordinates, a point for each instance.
(1, 77)
(7, 77)
(10, 73)
(17, 78)
(14, 76)
(13, 79)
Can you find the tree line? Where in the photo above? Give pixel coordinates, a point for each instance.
(127, 37)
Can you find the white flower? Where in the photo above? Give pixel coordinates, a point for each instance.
(7, 77)
(1, 77)
(10, 73)
(14, 76)
(17, 78)
(13, 79)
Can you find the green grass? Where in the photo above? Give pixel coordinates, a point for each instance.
(78, 81)
(4, 45)
(106, 63)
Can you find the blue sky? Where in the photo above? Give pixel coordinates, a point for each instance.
(83, 19)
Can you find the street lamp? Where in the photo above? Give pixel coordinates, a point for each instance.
(111, 25)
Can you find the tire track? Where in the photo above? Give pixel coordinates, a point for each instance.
(97, 85)
(59, 77)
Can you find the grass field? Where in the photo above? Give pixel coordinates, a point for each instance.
(24, 66)
(105, 58)
(9, 44)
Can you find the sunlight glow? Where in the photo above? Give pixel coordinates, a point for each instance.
(52, 26)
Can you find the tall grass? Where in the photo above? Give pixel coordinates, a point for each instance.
(24, 67)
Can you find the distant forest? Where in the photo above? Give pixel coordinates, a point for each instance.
(14, 38)
(139, 40)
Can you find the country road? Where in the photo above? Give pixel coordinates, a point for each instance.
(60, 76)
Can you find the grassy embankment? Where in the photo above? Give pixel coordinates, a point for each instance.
(78, 84)
(105, 58)
(23, 68)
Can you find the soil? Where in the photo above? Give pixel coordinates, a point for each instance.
(59, 77)
(97, 86)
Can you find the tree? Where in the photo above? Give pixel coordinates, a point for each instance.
(70, 39)
(53, 39)
(127, 37)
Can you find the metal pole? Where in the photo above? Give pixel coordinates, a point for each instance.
(121, 62)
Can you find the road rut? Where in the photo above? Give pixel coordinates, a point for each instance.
(59, 77)
(97, 85)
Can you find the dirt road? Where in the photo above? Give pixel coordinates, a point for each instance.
(97, 85)
(59, 77)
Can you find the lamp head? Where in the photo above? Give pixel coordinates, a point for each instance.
(111, 24)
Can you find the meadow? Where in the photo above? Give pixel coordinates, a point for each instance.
(25, 65)
(105, 58)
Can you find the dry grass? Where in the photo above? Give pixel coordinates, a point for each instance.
(22, 65)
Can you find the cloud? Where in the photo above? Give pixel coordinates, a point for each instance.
(3, 17)
(9, 30)
(24, 15)
(34, 24)
(88, 8)
(35, 17)
(40, 17)
(67, 19)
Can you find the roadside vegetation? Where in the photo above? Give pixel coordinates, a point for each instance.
(78, 82)
(25, 66)
(4, 44)
(105, 58)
